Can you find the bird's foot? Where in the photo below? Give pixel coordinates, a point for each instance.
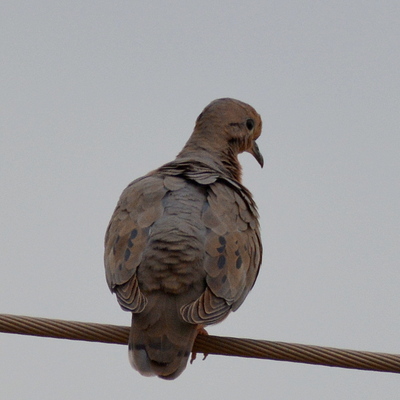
(200, 331)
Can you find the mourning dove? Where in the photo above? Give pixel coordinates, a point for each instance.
(183, 246)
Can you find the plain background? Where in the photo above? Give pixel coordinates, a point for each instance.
(95, 94)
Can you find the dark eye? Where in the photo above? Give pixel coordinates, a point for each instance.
(249, 124)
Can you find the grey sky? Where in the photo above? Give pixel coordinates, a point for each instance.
(95, 94)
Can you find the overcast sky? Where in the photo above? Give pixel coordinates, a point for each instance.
(95, 94)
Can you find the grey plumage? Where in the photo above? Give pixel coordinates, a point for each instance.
(183, 247)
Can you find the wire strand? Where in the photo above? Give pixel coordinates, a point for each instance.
(226, 346)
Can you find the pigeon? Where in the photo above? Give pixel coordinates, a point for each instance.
(183, 247)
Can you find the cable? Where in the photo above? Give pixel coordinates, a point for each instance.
(207, 344)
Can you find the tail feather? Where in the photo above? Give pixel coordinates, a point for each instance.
(160, 342)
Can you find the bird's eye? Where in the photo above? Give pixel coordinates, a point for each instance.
(250, 124)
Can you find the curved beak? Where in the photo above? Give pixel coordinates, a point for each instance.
(255, 151)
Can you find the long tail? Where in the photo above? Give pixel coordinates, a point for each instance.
(160, 342)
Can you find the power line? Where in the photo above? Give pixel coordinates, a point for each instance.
(207, 344)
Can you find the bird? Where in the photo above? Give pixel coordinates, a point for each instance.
(183, 246)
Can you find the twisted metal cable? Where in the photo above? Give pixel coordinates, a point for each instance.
(207, 344)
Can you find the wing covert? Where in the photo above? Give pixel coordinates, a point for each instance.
(139, 206)
(232, 254)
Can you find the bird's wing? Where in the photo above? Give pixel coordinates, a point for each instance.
(233, 252)
(138, 208)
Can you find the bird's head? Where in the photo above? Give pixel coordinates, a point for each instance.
(234, 124)
(224, 129)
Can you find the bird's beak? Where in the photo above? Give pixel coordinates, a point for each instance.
(255, 151)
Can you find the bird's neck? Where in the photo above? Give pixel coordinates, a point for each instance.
(220, 158)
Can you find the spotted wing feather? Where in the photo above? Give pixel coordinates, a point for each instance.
(232, 253)
(139, 207)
